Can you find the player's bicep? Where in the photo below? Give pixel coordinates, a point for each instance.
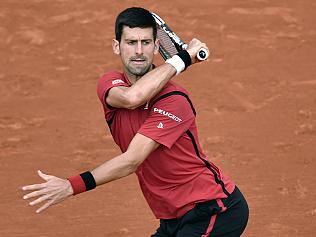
(116, 97)
(140, 148)
(122, 97)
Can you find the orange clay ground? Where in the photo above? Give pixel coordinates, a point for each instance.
(255, 98)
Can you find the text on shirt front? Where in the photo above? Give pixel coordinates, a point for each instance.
(169, 115)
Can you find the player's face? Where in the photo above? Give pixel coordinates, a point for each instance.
(137, 49)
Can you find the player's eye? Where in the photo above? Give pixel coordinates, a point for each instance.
(132, 42)
(146, 42)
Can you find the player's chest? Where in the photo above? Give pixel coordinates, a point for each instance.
(130, 121)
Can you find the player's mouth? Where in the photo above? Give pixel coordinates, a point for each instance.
(138, 61)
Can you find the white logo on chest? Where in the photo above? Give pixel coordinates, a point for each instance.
(169, 115)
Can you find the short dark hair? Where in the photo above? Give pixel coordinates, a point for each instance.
(134, 17)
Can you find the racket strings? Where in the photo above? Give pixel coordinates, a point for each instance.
(167, 47)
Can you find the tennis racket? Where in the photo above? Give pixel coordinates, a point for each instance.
(170, 43)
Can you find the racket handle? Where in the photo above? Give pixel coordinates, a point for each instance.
(202, 54)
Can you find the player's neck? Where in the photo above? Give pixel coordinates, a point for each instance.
(134, 78)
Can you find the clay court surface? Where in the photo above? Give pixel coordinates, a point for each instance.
(255, 98)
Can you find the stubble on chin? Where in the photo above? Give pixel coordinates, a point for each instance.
(138, 71)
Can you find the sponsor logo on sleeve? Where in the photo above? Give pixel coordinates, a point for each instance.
(117, 81)
(160, 125)
(167, 114)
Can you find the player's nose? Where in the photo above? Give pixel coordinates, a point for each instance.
(139, 48)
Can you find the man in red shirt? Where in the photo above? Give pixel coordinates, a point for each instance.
(152, 120)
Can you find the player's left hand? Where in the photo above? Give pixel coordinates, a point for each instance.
(193, 49)
(53, 191)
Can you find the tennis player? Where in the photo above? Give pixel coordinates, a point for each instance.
(153, 122)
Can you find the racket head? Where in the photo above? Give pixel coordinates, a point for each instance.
(170, 43)
(167, 47)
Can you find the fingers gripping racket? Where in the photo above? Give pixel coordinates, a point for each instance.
(170, 43)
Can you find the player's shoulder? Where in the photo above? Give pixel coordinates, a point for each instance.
(109, 80)
(172, 97)
(172, 93)
(172, 88)
(112, 75)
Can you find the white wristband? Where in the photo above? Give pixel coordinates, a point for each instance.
(177, 63)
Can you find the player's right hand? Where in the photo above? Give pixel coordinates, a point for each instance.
(193, 49)
(53, 191)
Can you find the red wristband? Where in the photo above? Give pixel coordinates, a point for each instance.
(77, 184)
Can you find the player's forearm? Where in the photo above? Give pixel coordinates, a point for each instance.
(151, 83)
(116, 168)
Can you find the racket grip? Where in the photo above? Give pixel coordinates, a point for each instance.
(202, 54)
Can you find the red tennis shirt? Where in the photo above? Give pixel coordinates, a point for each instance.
(177, 175)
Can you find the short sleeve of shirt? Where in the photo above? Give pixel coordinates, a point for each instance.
(169, 118)
(108, 81)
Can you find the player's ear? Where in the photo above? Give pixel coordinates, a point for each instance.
(116, 46)
(157, 43)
